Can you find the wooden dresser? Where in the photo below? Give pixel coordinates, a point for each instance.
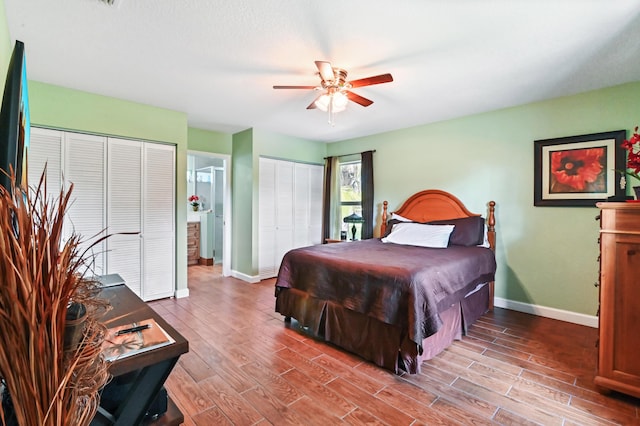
(619, 329)
(193, 243)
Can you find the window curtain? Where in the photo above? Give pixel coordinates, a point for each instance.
(330, 202)
(366, 182)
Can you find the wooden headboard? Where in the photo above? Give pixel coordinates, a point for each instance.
(433, 204)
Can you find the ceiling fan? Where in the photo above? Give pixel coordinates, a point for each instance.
(336, 89)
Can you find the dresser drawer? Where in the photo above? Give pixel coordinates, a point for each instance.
(625, 219)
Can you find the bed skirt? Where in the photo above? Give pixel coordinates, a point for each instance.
(383, 344)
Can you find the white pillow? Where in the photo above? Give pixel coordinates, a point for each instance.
(396, 216)
(485, 241)
(418, 234)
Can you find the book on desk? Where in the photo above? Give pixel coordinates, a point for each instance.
(134, 338)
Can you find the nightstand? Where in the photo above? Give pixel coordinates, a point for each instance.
(333, 240)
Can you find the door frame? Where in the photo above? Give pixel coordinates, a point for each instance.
(226, 208)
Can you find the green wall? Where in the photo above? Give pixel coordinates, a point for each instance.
(6, 46)
(87, 112)
(242, 250)
(275, 145)
(546, 255)
(209, 141)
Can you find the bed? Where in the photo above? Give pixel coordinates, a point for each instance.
(393, 303)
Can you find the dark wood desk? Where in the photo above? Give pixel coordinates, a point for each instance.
(150, 369)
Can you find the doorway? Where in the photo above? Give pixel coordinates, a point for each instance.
(209, 177)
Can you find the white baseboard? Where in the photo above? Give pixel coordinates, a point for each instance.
(244, 277)
(183, 292)
(543, 311)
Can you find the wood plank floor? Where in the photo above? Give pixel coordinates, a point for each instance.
(247, 367)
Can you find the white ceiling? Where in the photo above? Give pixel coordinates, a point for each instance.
(217, 60)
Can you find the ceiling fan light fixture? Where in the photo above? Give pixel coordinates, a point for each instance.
(337, 100)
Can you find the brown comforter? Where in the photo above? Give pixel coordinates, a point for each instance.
(396, 284)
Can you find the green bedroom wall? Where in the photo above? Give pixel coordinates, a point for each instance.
(5, 42)
(88, 112)
(209, 141)
(242, 257)
(270, 144)
(547, 256)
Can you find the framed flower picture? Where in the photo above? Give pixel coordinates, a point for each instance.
(579, 170)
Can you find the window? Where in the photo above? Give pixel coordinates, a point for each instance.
(350, 195)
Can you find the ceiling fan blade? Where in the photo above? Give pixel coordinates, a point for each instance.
(312, 105)
(326, 70)
(294, 87)
(382, 78)
(359, 99)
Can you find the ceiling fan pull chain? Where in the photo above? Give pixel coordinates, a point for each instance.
(330, 109)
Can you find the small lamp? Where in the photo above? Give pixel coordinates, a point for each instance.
(353, 218)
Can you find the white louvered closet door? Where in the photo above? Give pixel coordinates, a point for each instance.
(316, 177)
(45, 148)
(158, 221)
(290, 206)
(284, 209)
(308, 204)
(124, 212)
(85, 168)
(267, 219)
(301, 205)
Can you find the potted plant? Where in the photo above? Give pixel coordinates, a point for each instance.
(49, 376)
(195, 202)
(74, 325)
(632, 145)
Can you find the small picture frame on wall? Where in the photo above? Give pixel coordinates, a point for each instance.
(578, 170)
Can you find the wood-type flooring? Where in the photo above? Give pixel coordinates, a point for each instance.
(247, 367)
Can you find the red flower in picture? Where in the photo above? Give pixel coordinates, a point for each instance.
(576, 169)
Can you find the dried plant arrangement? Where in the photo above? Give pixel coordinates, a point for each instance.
(42, 277)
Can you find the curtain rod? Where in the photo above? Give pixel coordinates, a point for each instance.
(346, 155)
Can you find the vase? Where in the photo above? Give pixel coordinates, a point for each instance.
(74, 325)
(195, 208)
(636, 190)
